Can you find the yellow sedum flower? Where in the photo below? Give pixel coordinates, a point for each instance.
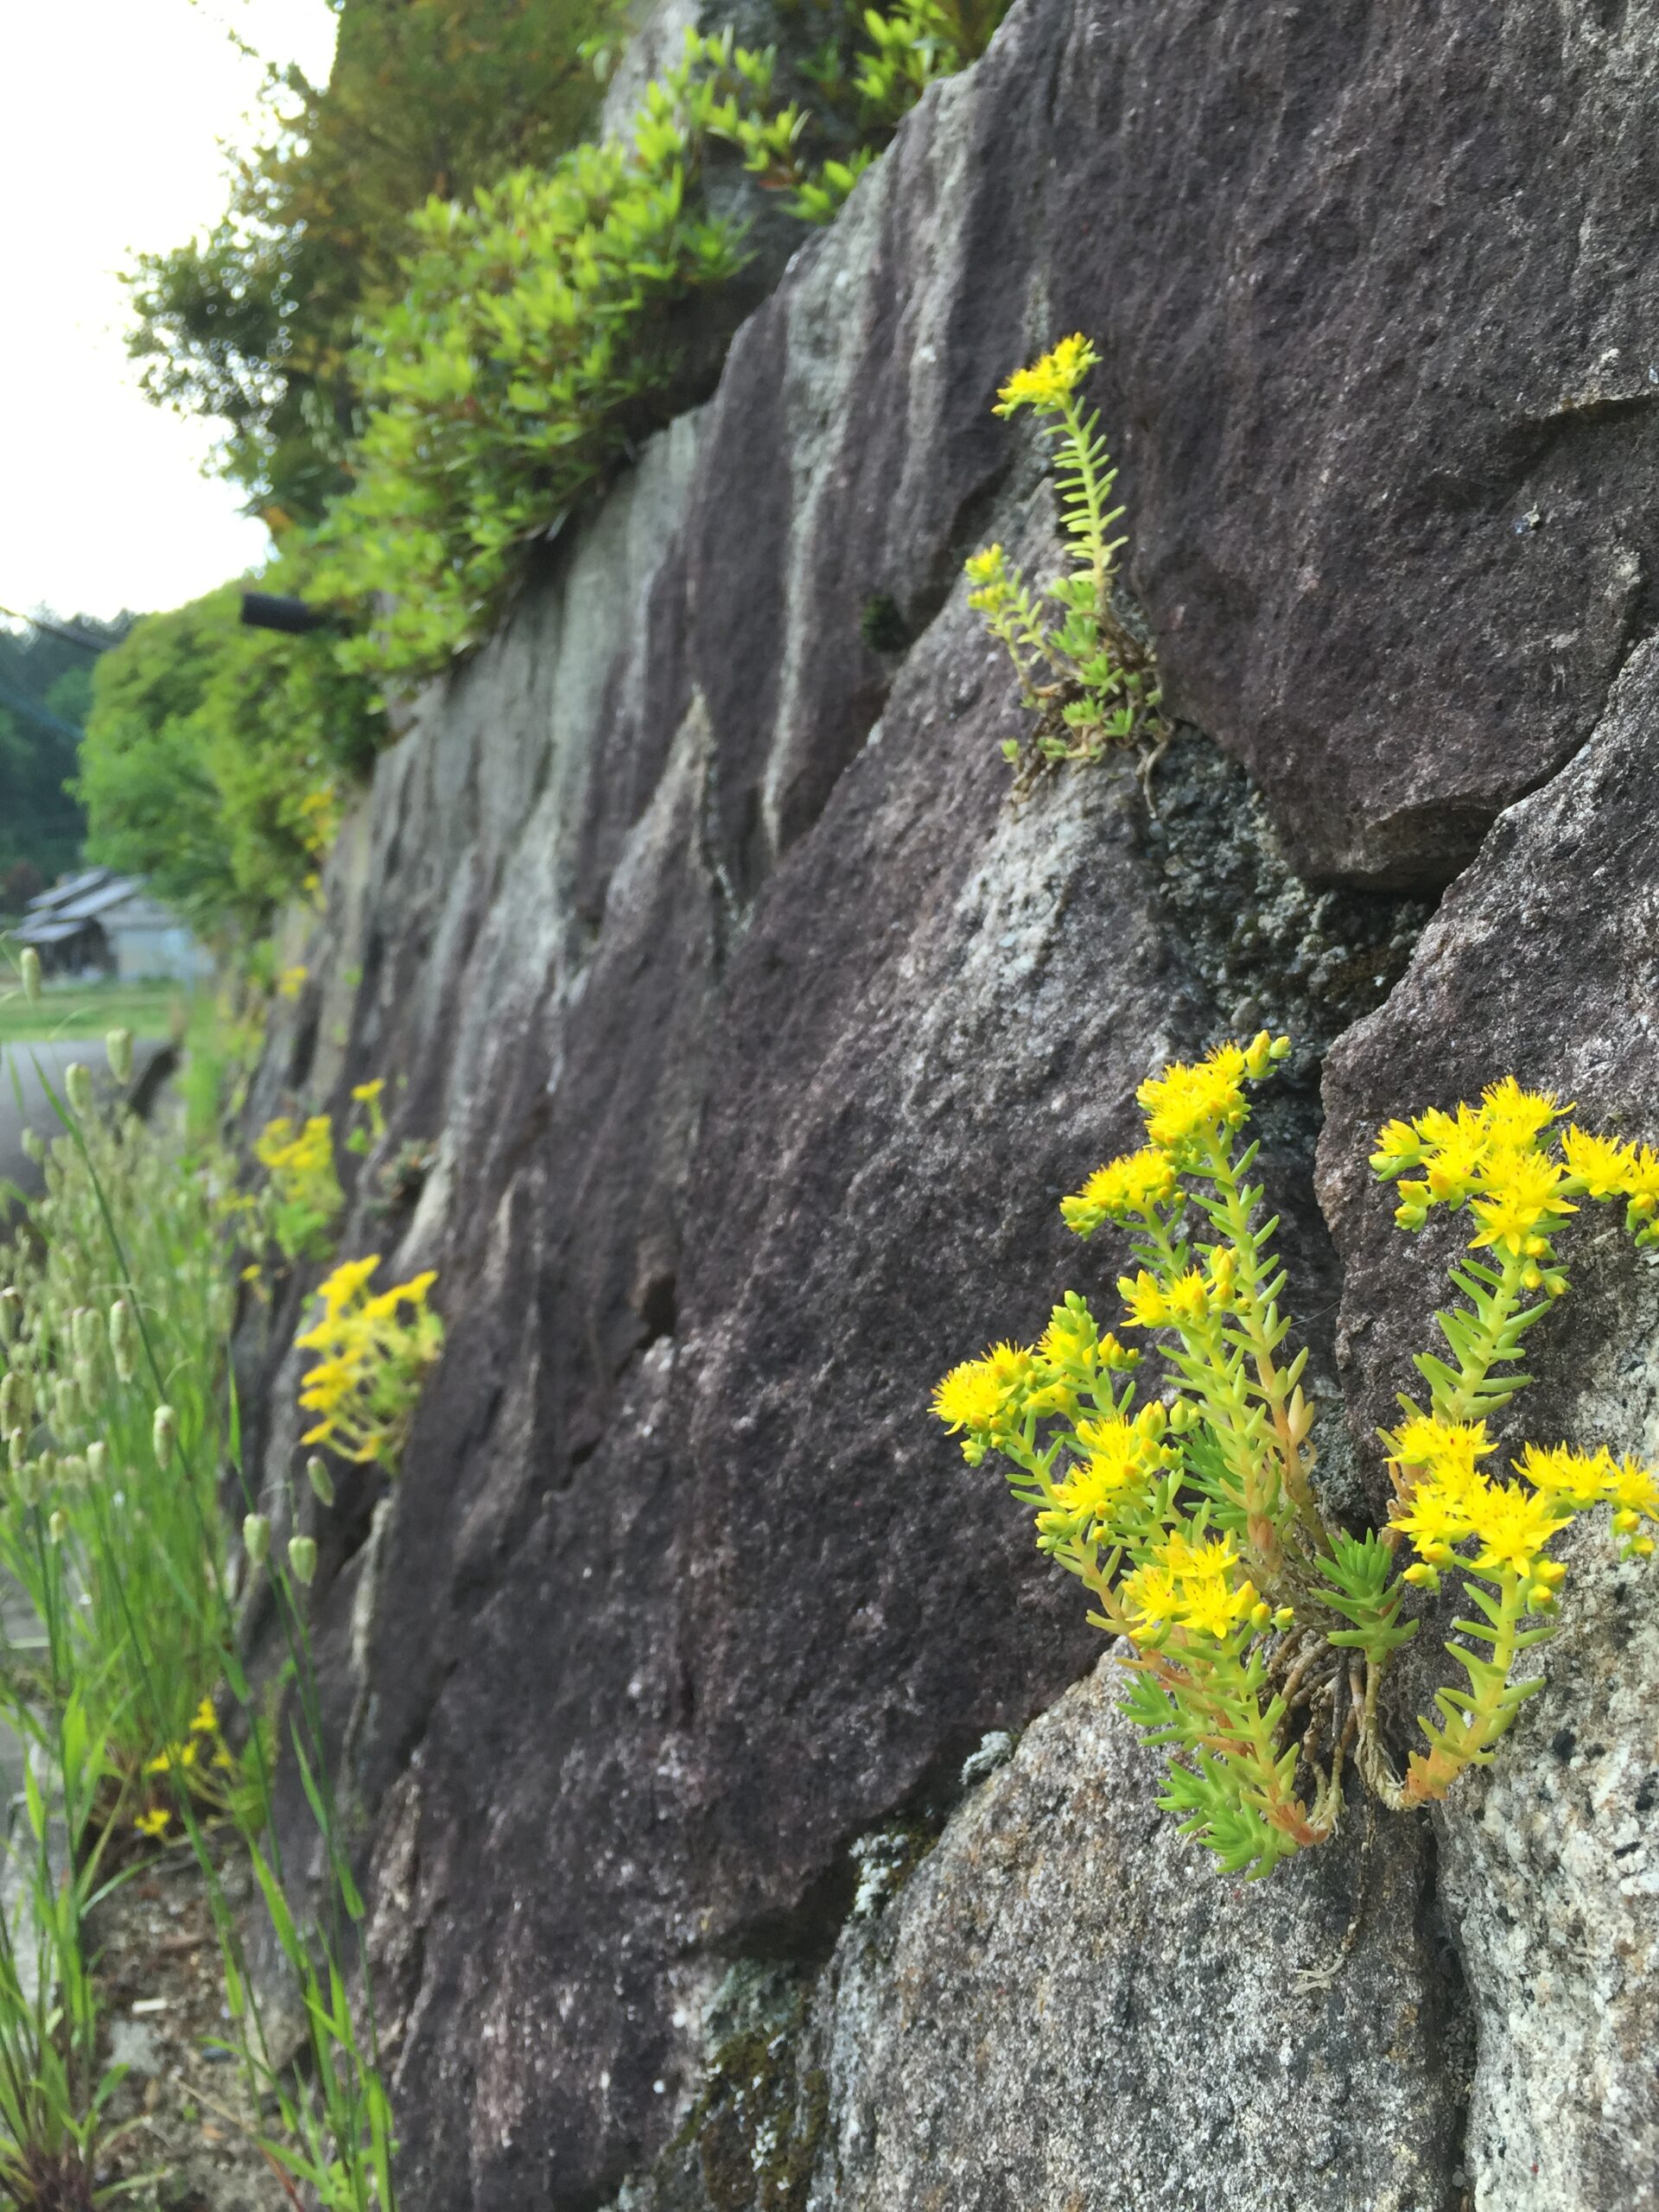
(1602, 1165)
(154, 1824)
(1511, 1526)
(1448, 1448)
(1192, 1101)
(1578, 1480)
(1047, 384)
(1523, 1199)
(374, 1352)
(1138, 1183)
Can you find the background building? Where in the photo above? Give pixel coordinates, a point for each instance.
(100, 923)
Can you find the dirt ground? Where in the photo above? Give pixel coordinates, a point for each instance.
(183, 2114)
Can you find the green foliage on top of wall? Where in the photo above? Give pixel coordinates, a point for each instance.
(255, 326)
(537, 330)
(541, 331)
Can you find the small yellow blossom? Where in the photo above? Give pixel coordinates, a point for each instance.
(1515, 1117)
(1641, 1183)
(374, 1351)
(1524, 1197)
(1151, 1597)
(1216, 1608)
(1144, 1303)
(1632, 1487)
(1578, 1480)
(1435, 1516)
(985, 568)
(206, 1722)
(1048, 383)
(1398, 1146)
(154, 1824)
(1512, 1527)
(1450, 1448)
(1190, 1100)
(292, 981)
(1601, 1163)
(1138, 1183)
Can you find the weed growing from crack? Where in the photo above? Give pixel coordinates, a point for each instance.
(1256, 1633)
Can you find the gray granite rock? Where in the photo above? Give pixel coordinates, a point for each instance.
(1542, 961)
(1064, 1991)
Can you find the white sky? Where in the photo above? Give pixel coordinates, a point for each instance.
(116, 113)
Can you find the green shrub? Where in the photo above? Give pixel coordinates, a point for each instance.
(540, 333)
(254, 325)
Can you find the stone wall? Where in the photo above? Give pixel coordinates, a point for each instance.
(750, 1825)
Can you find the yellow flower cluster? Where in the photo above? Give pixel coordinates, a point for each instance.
(1446, 1500)
(296, 1158)
(991, 1395)
(1496, 1158)
(375, 1350)
(1137, 1183)
(1047, 384)
(1189, 1101)
(1190, 1585)
(1125, 1453)
(976, 1394)
(1188, 1299)
(199, 1762)
(305, 1192)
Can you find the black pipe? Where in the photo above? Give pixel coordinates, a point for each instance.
(265, 610)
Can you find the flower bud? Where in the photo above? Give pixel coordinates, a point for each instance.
(11, 1401)
(34, 1146)
(66, 1405)
(302, 1558)
(322, 1482)
(256, 1539)
(164, 1430)
(16, 1449)
(97, 1461)
(29, 967)
(58, 1527)
(124, 1347)
(11, 1313)
(83, 1332)
(78, 1083)
(73, 1472)
(117, 1050)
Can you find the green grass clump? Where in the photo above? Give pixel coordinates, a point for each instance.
(92, 1010)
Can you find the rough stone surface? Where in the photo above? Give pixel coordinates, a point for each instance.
(1394, 552)
(1034, 1991)
(752, 1033)
(1541, 960)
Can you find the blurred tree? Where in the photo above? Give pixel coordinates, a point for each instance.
(254, 325)
(46, 684)
(215, 758)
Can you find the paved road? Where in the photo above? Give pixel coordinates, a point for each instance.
(27, 1063)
